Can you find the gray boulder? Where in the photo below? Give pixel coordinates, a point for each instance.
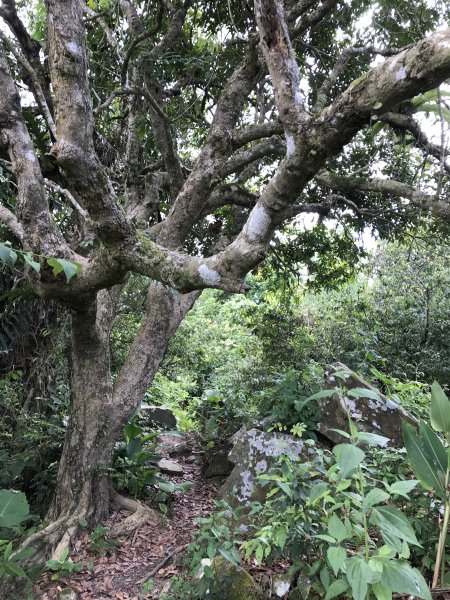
(377, 414)
(218, 463)
(159, 414)
(254, 453)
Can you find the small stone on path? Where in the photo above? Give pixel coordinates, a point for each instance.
(170, 466)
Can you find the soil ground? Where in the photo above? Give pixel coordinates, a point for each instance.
(120, 573)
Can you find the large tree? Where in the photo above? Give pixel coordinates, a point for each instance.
(174, 139)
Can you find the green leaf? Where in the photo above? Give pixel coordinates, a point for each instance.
(440, 409)
(377, 105)
(373, 439)
(364, 393)
(390, 520)
(317, 491)
(69, 267)
(337, 588)
(348, 457)
(336, 557)
(433, 446)
(337, 529)
(381, 591)
(56, 265)
(359, 575)
(423, 468)
(375, 496)
(15, 569)
(401, 578)
(28, 256)
(7, 255)
(229, 556)
(322, 394)
(402, 488)
(167, 486)
(14, 508)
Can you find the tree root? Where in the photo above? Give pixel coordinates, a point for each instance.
(141, 514)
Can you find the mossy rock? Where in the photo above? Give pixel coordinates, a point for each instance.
(232, 583)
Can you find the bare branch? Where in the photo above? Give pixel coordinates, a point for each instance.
(256, 131)
(438, 207)
(407, 123)
(11, 222)
(36, 86)
(309, 19)
(30, 48)
(104, 25)
(32, 207)
(341, 64)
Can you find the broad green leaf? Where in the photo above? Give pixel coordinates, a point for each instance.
(390, 520)
(337, 588)
(336, 557)
(401, 578)
(433, 446)
(381, 591)
(28, 256)
(69, 267)
(317, 491)
(392, 542)
(14, 508)
(423, 468)
(375, 496)
(7, 255)
(402, 488)
(322, 394)
(232, 559)
(440, 409)
(348, 457)
(359, 575)
(167, 486)
(325, 538)
(341, 432)
(373, 439)
(56, 265)
(364, 393)
(337, 529)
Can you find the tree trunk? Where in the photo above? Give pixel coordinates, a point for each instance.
(99, 410)
(82, 484)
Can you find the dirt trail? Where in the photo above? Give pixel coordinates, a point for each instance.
(119, 574)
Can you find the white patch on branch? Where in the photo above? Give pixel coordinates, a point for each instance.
(401, 74)
(290, 144)
(30, 156)
(73, 48)
(208, 275)
(258, 222)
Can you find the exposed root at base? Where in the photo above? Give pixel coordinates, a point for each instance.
(141, 514)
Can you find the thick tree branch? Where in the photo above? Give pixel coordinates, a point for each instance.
(340, 66)
(74, 150)
(33, 212)
(416, 70)
(12, 222)
(190, 201)
(282, 64)
(254, 132)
